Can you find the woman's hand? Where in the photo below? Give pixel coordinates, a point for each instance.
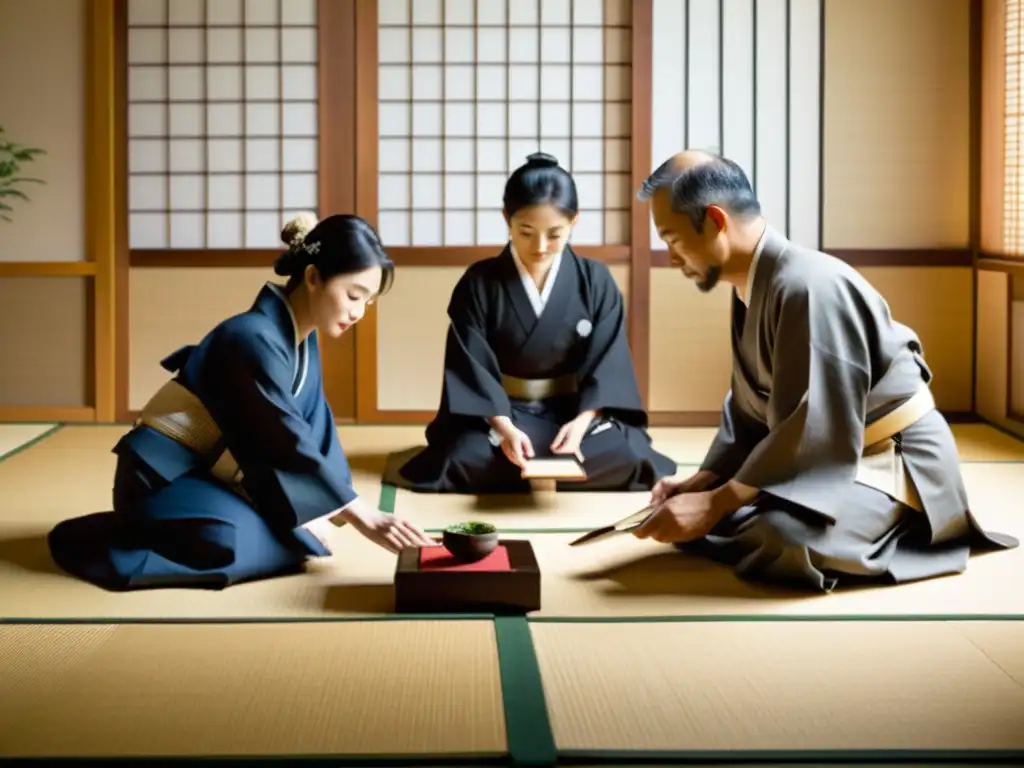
(570, 436)
(515, 443)
(385, 530)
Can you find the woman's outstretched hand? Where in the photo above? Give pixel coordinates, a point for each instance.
(386, 530)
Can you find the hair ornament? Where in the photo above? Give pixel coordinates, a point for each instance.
(295, 231)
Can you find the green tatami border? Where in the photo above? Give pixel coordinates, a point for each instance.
(396, 617)
(388, 498)
(34, 441)
(770, 757)
(529, 731)
(530, 738)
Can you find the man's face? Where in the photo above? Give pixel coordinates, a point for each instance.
(699, 255)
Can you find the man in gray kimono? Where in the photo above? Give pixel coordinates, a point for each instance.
(831, 464)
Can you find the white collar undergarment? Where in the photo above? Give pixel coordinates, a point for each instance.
(538, 299)
(301, 350)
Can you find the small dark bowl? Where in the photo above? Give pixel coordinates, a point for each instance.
(465, 543)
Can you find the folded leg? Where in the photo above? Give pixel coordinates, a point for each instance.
(192, 532)
(874, 538)
(469, 463)
(617, 457)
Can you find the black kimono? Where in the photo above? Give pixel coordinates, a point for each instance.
(498, 344)
(178, 523)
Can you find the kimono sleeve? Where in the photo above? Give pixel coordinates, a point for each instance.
(817, 406)
(607, 378)
(326, 431)
(286, 474)
(472, 378)
(737, 436)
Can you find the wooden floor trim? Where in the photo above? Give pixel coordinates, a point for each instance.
(988, 262)
(685, 418)
(883, 257)
(47, 268)
(47, 413)
(403, 256)
(463, 256)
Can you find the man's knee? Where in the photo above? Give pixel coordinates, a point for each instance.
(474, 449)
(774, 528)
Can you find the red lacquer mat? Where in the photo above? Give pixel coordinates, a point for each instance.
(440, 559)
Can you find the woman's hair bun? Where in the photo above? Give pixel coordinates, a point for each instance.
(541, 160)
(294, 233)
(285, 264)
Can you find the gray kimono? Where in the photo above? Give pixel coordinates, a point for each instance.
(816, 357)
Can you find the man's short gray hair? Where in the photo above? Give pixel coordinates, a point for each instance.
(719, 181)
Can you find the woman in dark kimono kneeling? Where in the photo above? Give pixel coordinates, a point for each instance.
(536, 362)
(233, 462)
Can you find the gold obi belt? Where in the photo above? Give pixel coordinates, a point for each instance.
(538, 389)
(178, 414)
(880, 466)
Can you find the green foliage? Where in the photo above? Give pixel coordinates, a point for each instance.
(472, 528)
(11, 157)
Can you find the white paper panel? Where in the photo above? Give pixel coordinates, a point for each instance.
(222, 121)
(468, 89)
(759, 105)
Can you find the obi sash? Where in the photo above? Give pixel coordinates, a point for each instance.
(533, 390)
(178, 414)
(881, 466)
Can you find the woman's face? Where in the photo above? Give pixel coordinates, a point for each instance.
(340, 302)
(539, 233)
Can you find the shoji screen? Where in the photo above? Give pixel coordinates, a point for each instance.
(222, 121)
(467, 89)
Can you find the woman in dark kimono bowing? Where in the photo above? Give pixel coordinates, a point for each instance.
(536, 361)
(236, 460)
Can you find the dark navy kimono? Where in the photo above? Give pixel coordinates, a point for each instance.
(173, 523)
(495, 330)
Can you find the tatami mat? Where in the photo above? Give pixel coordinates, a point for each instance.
(340, 689)
(683, 445)
(1003, 643)
(992, 488)
(16, 436)
(407, 689)
(980, 442)
(413, 689)
(977, 442)
(622, 577)
(576, 510)
(693, 687)
(631, 578)
(69, 473)
(367, 447)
